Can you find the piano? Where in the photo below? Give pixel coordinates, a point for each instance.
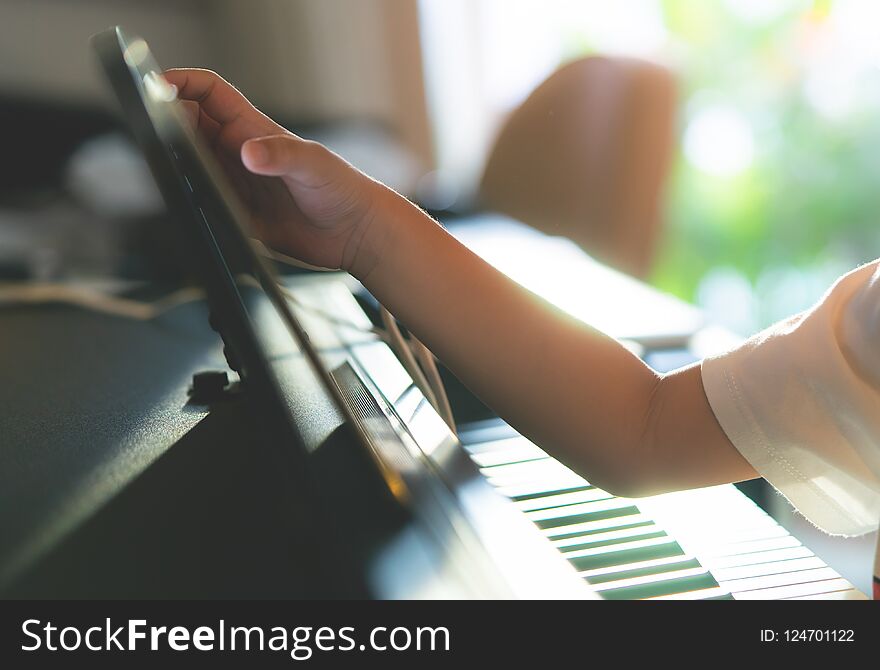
(105, 498)
(705, 544)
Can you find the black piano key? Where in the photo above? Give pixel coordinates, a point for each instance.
(556, 500)
(535, 494)
(644, 552)
(675, 585)
(599, 514)
(619, 541)
(712, 593)
(569, 533)
(605, 533)
(568, 511)
(652, 567)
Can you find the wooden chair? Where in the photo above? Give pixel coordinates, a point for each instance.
(586, 156)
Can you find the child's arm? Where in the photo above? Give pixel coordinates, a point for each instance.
(577, 393)
(574, 391)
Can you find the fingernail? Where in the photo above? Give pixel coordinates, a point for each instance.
(257, 153)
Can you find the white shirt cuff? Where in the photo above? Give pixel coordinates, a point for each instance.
(799, 403)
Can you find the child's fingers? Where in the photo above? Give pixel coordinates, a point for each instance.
(225, 116)
(288, 156)
(231, 136)
(217, 97)
(228, 138)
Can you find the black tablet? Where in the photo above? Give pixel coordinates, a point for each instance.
(213, 225)
(215, 230)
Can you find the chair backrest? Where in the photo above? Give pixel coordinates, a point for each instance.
(586, 156)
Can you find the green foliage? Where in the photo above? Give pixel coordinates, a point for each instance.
(809, 198)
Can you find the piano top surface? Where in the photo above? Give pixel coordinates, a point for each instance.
(83, 415)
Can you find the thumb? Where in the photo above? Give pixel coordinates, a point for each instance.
(286, 156)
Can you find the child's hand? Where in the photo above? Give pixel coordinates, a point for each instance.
(305, 200)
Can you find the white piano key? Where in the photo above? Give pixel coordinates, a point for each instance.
(761, 569)
(795, 590)
(760, 531)
(724, 525)
(528, 471)
(510, 450)
(846, 594)
(739, 548)
(547, 473)
(512, 457)
(752, 558)
(738, 586)
(744, 543)
(474, 435)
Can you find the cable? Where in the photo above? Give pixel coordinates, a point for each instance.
(413, 354)
(263, 250)
(94, 300)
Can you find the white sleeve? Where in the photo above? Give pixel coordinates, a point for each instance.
(801, 402)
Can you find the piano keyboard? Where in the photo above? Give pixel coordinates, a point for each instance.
(704, 544)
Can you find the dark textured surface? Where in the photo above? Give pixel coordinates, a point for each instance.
(209, 518)
(89, 401)
(112, 485)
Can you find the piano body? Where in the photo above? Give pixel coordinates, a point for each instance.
(116, 485)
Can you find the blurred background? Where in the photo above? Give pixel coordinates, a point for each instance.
(768, 192)
(726, 151)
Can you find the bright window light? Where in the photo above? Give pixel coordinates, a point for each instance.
(719, 141)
